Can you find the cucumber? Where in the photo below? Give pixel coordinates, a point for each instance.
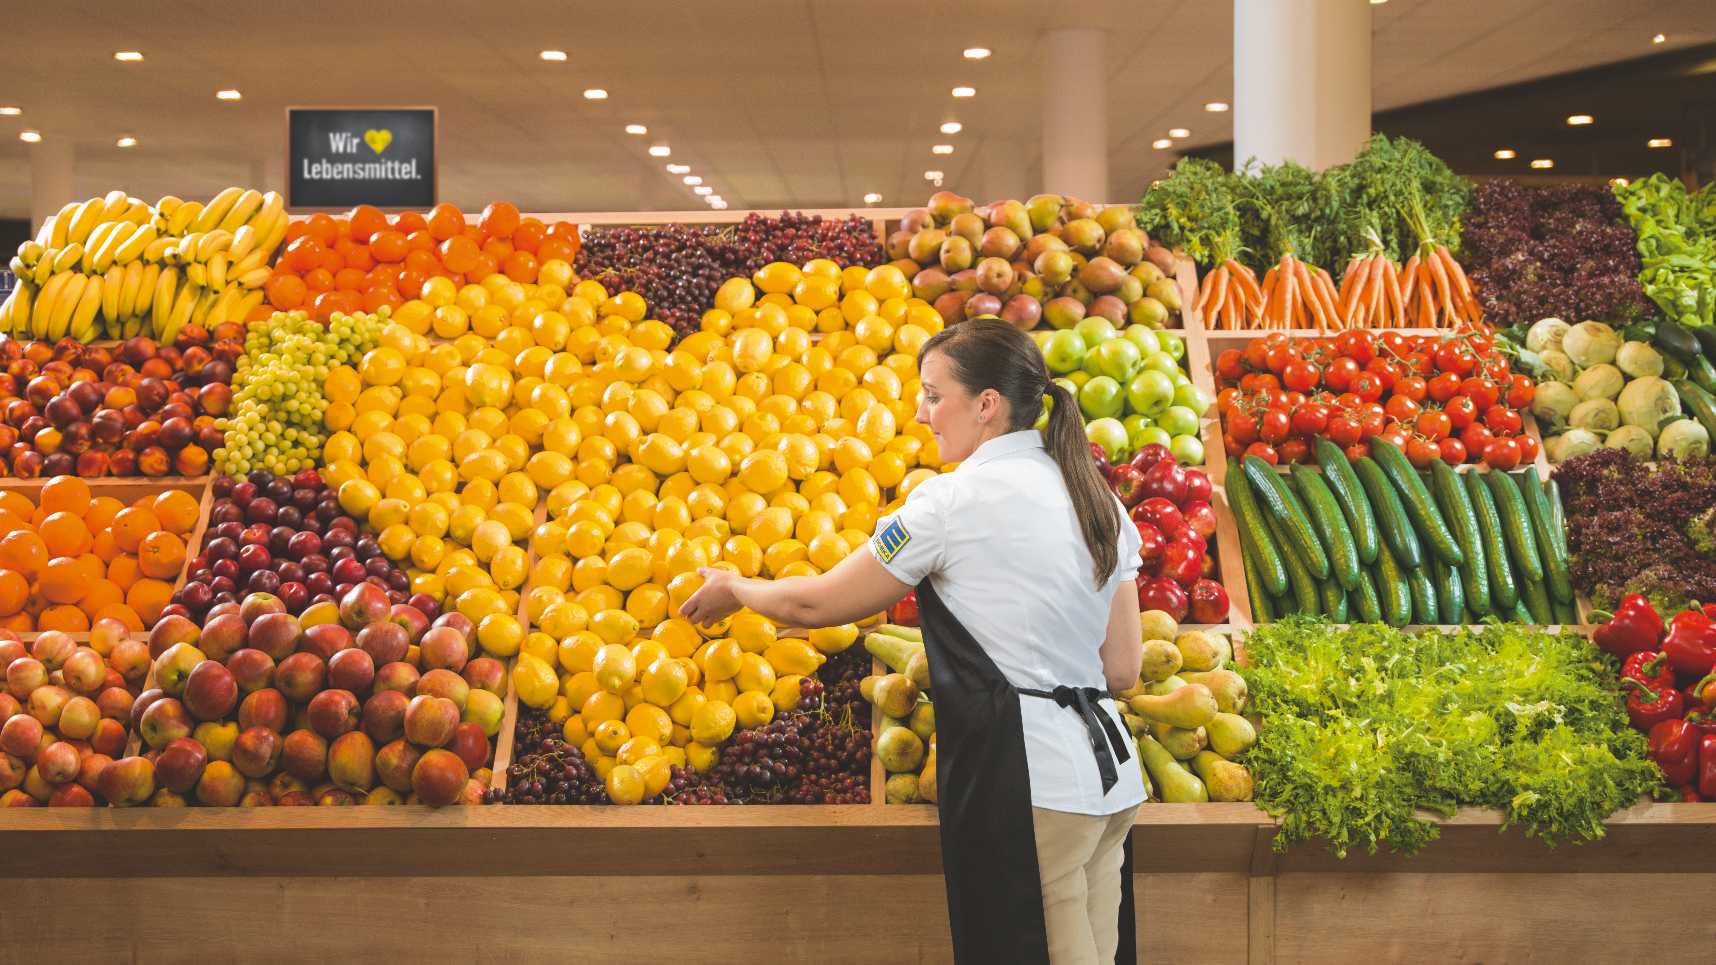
(1278, 501)
(1299, 578)
(1503, 592)
(1423, 596)
(1391, 519)
(1516, 526)
(1391, 589)
(1450, 594)
(1556, 575)
(1416, 496)
(1330, 524)
(1699, 402)
(1262, 609)
(1254, 535)
(1333, 599)
(1520, 613)
(1462, 518)
(1338, 475)
(1536, 600)
(1364, 600)
(1565, 613)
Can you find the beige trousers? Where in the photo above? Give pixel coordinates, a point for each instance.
(1079, 858)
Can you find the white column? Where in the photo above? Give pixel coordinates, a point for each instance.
(1000, 171)
(1075, 112)
(268, 173)
(1301, 80)
(51, 163)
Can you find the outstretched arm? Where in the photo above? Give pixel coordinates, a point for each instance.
(857, 587)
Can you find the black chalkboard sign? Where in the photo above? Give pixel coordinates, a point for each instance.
(339, 157)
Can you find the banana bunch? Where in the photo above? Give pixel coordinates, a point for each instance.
(114, 267)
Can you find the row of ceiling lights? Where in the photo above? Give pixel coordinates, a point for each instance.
(1574, 120)
(961, 92)
(125, 57)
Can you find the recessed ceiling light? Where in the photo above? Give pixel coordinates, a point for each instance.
(1543, 163)
(636, 129)
(965, 92)
(1506, 154)
(1579, 120)
(595, 94)
(1216, 107)
(127, 56)
(932, 175)
(952, 127)
(1618, 182)
(660, 150)
(1377, 2)
(679, 169)
(717, 202)
(29, 137)
(692, 179)
(228, 95)
(558, 56)
(125, 142)
(976, 53)
(942, 149)
(872, 198)
(1161, 143)
(703, 189)
(1659, 39)
(1660, 142)
(11, 111)
(1178, 132)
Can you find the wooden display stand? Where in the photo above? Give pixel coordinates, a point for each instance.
(785, 883)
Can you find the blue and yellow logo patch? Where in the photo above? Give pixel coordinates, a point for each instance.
(891, 540)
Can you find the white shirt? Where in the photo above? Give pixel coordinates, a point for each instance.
(1001, 544)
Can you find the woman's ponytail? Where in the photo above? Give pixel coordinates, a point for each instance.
(987, 353)
(1098, 513)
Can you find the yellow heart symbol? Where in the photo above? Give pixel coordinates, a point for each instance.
(378, 140)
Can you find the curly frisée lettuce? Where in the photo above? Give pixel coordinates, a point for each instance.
(1369, 731)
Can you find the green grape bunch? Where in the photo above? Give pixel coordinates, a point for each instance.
(277, 403)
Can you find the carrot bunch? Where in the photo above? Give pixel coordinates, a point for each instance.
(1438, 294)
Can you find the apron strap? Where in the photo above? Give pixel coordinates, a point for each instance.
(1103, 734)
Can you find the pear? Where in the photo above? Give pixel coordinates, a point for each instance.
(1012, 216)
(1038, 244)
(1201, 650)
(926, 245)
(1176, 784)
(1231, 735)
(1189, 707)
(1063, 312)
(1182, 743)
(923, 720)
(899, 750)
(1146, 273)
(1228, 687)
(968, 226)
(944, 206)
(897, 695)
(1109, 307)
(1161, 661)
(902, 789)
(1130, 290)
(917, 668)
(956, 253)
(894, 651)
(999, 242)
(1055, 265)
(900, 244)
(1044, 210)
(1117, 216)
(1083, 235)
(930, 284)
(1022, 311)
(916, 220)
(994, 275)
(1158, 625)
(1148, 312)
(1224, 780)
(1165, 291)
(927, 789)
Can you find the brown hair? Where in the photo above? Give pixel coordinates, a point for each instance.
(987, 353)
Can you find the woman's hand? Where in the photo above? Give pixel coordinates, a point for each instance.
(718, 598)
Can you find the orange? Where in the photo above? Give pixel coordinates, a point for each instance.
(103, 546)
(63, 581)
(177, 510)
(499, 219)
(121, 612)
(67, 618)
(102, 593)
(92, 567)
(131, 525)
(17, 503)
(21, 623)
(445, 221)
(161, 556)
(14, 592)
(149, 597)
(10, 521)
(123, 571)
(100, 514)
(366, 221)
(65, 534)
(23, 551)
(66, 494)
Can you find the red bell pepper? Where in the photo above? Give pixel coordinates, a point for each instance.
(1702, 695)
(1707, 765)
(1689, 794)
(905, 612)
(1651, 704)
(1634, 626)
(1691, 644)
(1674, 747)
(1648, 667)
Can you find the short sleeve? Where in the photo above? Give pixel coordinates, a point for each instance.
(1130, 544)
(911, 543)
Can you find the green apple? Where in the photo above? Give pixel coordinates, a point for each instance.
(1095, 330)
(1063, 351)
(1191, 397)
(1150, 393)
(1076, 380)
(1144, 338)
(1187, 450)
(1179, 421)
(1118, 359)
(1153, 435)
(1138, 428)
(1101, 398)
(1043, 416)
(1071, 386)
(1111, 436)
(1161, 362)
(1173, 344)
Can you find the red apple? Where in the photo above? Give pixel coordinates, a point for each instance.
(58, 763)
(1166, 480)
(80, 717)
(384, 715)
(109, 737)
(174, 665)
(171, 630)
(1127, 483)
(386, 642)
(21, 736)
(251, 669)
(352, 669)
(439, 777)
(164, 722)
(1161, 593)
(305, 756)
(393, 764)
(224, 635)
(210, 691)
(1162, 514)
(363, 605)
(276, 634)
(471, 744)
(180, 765)
(131, 658)
(256, 752)
(1209, 602)
(1201, 519)
(486, 673)
(127, 782)
(333, 712)
(1197, 486)
(46, 704)
(351, 762)
(444, 648)
(263, 708)
(445, 683)
(221, 785)
(430, 721)
(301, 675)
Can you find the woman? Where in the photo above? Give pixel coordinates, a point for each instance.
(1023, 564)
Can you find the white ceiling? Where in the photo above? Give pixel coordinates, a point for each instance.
(776, 103)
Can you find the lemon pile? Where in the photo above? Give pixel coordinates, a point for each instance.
(575, 469)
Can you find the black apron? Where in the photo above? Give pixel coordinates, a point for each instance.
(988, 841)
